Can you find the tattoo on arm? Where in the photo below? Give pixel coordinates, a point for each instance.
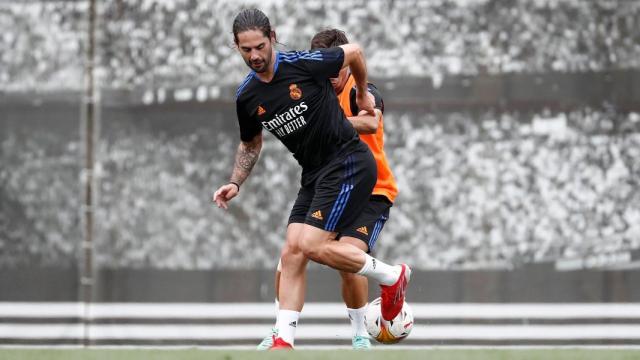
(246, 157)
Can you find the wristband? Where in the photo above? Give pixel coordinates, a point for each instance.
(236, 184)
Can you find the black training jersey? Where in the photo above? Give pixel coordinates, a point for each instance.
(299, 107)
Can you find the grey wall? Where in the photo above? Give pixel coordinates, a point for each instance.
(532, 283)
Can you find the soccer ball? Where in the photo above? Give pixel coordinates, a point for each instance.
(388, 332)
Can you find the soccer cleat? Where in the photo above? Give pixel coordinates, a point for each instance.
(360, 343)
(392, 296)
(279, 344)
(266, 343)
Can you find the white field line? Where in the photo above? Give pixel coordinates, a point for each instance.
(326, 331)
(318, 310)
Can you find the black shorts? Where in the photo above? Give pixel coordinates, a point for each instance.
(339, 194)
(370, 222)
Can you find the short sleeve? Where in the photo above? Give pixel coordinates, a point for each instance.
(376, 95)
(249, 126)
(323, 63)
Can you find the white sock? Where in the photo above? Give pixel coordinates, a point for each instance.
(287, 324)
(385, 274)
(356, 316)
(277, 311)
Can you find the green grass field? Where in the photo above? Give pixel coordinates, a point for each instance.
(436, 354)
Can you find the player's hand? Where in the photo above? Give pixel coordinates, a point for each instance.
(224, 194)
(377, 111)
(371, 97)
(365, 102)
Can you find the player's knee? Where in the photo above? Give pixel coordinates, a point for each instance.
(291, 255)
(289, 250)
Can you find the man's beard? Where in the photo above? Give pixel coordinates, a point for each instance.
(261, 66)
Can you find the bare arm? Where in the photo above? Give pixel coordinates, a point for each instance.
(365, 123)
(246, 157)
(354, 59)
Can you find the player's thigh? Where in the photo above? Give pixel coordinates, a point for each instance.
(312, 238)
(355, 242)
(366, 229)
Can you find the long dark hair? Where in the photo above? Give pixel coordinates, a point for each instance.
(251, 19)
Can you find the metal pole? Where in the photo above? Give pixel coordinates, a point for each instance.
(89, 111)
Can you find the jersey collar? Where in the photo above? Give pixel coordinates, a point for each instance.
(275, 66)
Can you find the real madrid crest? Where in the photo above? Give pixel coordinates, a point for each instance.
(295, 92)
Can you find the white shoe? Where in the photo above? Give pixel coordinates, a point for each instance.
(267, 342)
(360, 343)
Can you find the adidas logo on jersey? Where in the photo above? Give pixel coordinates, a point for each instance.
(363, 230)
(317, 215)
(261, 110)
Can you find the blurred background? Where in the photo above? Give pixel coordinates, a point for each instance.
(513, 130)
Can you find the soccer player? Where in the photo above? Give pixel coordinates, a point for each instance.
(364, 232)
(290, 95)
